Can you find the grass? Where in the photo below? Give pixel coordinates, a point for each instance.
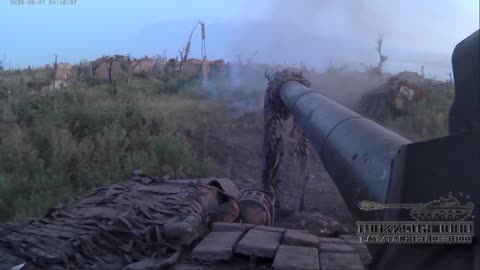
(61, 144)
(430, 116)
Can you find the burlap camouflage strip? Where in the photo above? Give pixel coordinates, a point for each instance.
(107, 228)
(275, 113)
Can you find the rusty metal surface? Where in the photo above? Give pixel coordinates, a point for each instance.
(256, 207)
(226, 185)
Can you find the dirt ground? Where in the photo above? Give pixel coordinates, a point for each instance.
(240, 151)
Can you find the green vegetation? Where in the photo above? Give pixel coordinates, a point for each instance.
(429, 118)
(57, 145)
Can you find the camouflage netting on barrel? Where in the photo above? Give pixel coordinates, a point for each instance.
(109, 228)
(275, 114)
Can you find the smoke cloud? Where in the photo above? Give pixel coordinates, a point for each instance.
(321, 32)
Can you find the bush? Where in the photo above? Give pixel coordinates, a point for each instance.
(430, 116)
(171, 151)
(65, 142)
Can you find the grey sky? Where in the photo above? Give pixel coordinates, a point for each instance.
(317, 32)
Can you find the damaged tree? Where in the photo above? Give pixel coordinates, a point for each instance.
(377, 71)
(110, 67)
(186, 51)
(382, 58)
(54, 71)
(131, 67)
(2, 61)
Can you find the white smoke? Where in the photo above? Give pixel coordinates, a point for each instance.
(320, 32)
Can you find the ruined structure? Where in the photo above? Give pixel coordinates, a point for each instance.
(192, 66)
(64, 72)
(144, 65)
(203, 67)
(101, 67)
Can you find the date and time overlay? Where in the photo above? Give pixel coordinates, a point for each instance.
(43, 2)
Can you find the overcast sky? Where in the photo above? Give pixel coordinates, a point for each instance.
(315, 32)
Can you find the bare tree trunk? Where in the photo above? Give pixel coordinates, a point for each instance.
(54, 73)
(33, 75)
(114, 90)
(2, 62)
(129, 77)
(383, 58)
(21, 79)
(182, 59)
(131, 68)
(110, 64)
(205, 71)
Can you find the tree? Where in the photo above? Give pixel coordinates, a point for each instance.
(110, 66)
(131, 68)
(2, 63)
(383, 58)
(376, 71)
(34, 79)
(186, 51)
(54, 72)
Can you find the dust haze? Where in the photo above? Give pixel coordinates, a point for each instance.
(341, 36)
(320, 35)
(322, 32)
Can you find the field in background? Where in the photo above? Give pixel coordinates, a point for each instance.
(58, 143)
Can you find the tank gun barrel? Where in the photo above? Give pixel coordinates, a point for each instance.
(369, 162)
(356, 151)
